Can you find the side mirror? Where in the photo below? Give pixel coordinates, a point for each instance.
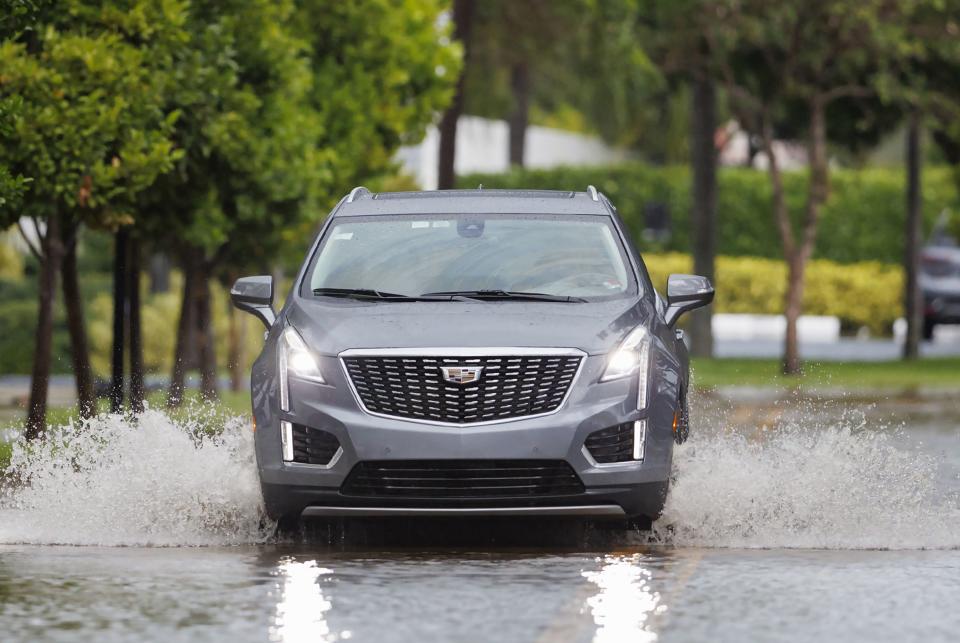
(255, 295)
(685, 293)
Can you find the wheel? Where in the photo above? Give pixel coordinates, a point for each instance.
(928, 325)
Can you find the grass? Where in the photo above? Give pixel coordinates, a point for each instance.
(942, 373)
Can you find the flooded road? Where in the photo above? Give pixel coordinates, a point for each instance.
(789, 520)
(630, 594)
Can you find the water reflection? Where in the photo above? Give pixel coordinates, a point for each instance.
(301, 605)
(625, 604)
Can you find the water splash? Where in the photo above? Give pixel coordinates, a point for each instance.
(156, 481)
(809, 485)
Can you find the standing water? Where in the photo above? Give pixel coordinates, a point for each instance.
(771, 532)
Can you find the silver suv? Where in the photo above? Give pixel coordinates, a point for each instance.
(470, 353)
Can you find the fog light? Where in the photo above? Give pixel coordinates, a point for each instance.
(286, 440)
(639, 438)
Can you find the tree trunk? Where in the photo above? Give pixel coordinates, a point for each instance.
(120, 250)
(446, 173)
(791, 309)
(703, 157)
(204, 333)
(793, 306)
(133, 327)
(913, 298)
(79, 347)
(43, 344)
(236, 359)
(520, 116)
(800, 254)
(184, 326)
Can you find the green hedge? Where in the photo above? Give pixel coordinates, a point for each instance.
(864, 294)
(862, 221)
(18, 322)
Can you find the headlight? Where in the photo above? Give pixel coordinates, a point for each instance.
(631, 357)
(295, 359)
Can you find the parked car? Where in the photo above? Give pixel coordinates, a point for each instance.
(470, 353)
(940, 282)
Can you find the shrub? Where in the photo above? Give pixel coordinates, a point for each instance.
(863, 219)
(18, 324)
(861, 294)
(159, 316)
(11, 261)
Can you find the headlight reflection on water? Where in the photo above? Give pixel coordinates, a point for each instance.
(301, 606)
(624, 603)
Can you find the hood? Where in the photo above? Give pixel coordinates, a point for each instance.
(332, 326)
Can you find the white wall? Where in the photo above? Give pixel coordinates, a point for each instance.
(482, 146)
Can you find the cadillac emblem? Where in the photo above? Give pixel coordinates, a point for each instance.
(461, 374)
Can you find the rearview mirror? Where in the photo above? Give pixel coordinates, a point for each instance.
(685, 293)
(255, 295)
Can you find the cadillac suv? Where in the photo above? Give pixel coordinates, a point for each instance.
(470, 353)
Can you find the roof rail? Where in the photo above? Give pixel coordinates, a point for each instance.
(593, 193)
(356, 192)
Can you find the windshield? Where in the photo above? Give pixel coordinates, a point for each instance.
(578, 256)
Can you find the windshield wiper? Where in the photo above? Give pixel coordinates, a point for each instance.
(370, 293)
(505, 294)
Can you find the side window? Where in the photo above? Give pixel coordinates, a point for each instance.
(661, 304)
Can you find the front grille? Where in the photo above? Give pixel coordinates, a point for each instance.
(413, 387)
(613, 444)
(313, 446)
(457, 479)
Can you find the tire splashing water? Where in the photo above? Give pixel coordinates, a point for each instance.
(152, 480)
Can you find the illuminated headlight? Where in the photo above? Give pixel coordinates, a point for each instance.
(295, 359)
(631, 357)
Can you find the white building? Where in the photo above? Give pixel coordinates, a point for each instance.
(482, 146)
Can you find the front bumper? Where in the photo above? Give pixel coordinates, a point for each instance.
(635, 488)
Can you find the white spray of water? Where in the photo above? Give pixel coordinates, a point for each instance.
(156, 481)
(808, 486)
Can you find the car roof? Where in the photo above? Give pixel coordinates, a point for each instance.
(362, 202)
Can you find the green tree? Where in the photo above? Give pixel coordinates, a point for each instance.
(802, 58)
(673, 33)
(284, 107)
(18, 18)
(91, 134)
(546, 57)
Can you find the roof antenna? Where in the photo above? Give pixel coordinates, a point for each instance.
(480, 187)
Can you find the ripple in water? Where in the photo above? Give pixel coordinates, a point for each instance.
(163, 482)
(156, 481)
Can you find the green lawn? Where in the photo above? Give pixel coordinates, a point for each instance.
(927, 373)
